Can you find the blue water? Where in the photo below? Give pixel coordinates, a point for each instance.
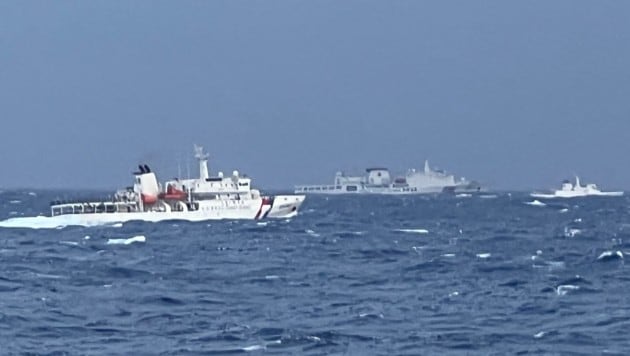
(350, 275)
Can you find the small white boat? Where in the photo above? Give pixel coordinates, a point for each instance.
(198, 199)
(569, 190)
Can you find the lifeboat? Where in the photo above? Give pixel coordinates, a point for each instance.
(172, 193)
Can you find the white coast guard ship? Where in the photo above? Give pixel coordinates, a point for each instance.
(203, 198)
(569, 190)
(379, 181)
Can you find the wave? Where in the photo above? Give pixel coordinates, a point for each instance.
(413, 231)
(359, 288)
(535, 202)
(610, 255)
(139, 238)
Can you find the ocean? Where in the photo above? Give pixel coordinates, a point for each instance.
(350, 275)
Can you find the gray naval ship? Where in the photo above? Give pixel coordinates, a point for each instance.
(380, 181)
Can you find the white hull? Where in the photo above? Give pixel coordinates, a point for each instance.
(284, 206)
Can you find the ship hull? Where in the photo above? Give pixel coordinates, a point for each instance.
(282, 206)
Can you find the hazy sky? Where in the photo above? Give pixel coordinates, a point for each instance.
(517, 94)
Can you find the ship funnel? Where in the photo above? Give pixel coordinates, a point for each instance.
(147, 187)
(147, 169)
(141, 168)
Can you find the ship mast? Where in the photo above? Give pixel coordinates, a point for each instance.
(203, 162)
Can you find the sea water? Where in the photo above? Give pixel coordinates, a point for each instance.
(350, 275)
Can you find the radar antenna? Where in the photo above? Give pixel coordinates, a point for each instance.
(199, 154)
(203, 162)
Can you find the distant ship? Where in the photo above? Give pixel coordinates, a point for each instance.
(198, 199)
(379, 181)
(569, 190)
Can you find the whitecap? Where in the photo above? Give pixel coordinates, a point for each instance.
(262, 223)
(448, 255)
(413, 231)
(87, 237)
(453, 294)
(261, 347)
(254, 348)
(314, 338)
(272, 277)
(535, 257)
(488, 196)
(117, 225)
(71, 243)
(464, 195)
(539, 335)
(15, 201)
(484, 255)
(571, 232)
(128, 241)
(562, 211)
(363, 315)
(565, 288)
(40, 222)
(312, 233)
(535, 203)
(610, 255)
(33, 194)
(49, 276)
